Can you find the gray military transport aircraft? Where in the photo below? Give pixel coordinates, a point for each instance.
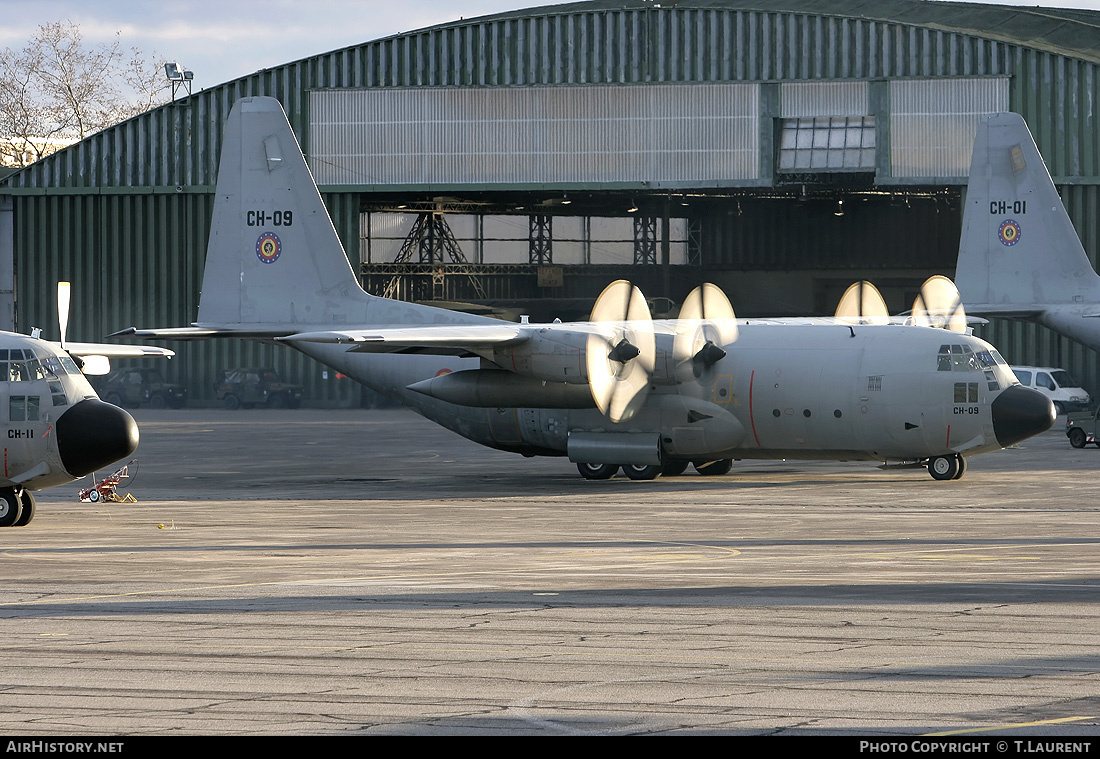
(620, 391)
(1020, 257)
(57, 428)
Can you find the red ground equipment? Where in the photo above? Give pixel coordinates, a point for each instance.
(104, 490)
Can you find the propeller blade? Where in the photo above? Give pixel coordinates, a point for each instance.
(939, 305)
(63, 293)
(862, 303)
(621, 354)
(706, 324)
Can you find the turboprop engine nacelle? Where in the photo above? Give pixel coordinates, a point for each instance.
(554, 356)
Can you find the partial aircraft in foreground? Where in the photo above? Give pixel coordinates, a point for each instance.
(57, 429)
(620, 391)
(1020, 257)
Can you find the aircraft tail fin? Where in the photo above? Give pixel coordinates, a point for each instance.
(1018, 246)
(274, 257)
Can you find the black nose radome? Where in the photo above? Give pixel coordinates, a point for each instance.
(1020, 412)
(93, 434)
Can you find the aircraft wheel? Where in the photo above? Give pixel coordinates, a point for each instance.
(597, 471)
(641, 472)
(1077, 437)
(232, 402)
(27, 506)
(9, 507)
(673, 468)
(713, 468)
(962, 468)
(944, 467)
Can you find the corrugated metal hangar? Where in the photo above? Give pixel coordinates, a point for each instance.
(518, 162)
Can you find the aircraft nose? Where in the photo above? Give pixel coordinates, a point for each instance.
(93, 434)
(1020, 412)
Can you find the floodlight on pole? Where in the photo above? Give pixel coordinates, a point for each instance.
(179, 77)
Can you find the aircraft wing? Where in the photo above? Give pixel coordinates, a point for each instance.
(445, 336)
(1005, 311)
(115, 350)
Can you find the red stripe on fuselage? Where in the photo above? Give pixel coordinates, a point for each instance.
(752, 418)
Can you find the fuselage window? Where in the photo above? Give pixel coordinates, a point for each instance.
(23, 408)
(57, 390)
(966, 392)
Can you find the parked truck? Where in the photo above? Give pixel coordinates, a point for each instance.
(1081, 427)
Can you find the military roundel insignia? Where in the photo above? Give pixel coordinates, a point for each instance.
(268, 247)
(1009, 232)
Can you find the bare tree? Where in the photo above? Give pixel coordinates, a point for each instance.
(58, 90)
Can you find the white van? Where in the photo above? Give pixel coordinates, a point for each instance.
(1056, 384)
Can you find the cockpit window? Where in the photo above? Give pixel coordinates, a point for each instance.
(957, 358)
(963, 358)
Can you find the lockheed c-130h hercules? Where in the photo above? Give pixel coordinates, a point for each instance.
(56, 428)
(619, 391)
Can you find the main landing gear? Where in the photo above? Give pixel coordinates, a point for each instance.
(16, 507)
(949, 467)
(649, 472)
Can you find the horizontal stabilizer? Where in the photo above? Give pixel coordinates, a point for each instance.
(429, 336)
(116, 351)
(202, 333)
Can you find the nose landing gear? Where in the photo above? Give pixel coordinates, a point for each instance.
(949, 467)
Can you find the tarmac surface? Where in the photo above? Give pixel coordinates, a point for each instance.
(366, 572)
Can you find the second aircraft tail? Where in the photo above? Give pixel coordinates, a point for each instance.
(1019, 249)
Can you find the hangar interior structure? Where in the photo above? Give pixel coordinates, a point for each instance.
(517, 163)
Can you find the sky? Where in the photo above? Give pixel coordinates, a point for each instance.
(220, 40)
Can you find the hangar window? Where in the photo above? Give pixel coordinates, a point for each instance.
(827, 144)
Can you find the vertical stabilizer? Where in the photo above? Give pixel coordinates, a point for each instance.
(1018, 246)
(274, 256)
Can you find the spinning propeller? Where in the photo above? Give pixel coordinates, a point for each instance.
(862, 303)
(621, 354)
(705, 327)
(939, 305)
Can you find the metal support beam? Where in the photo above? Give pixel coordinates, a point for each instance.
(433, 242)
(645, 240)
(694, 242)
(540, 239)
